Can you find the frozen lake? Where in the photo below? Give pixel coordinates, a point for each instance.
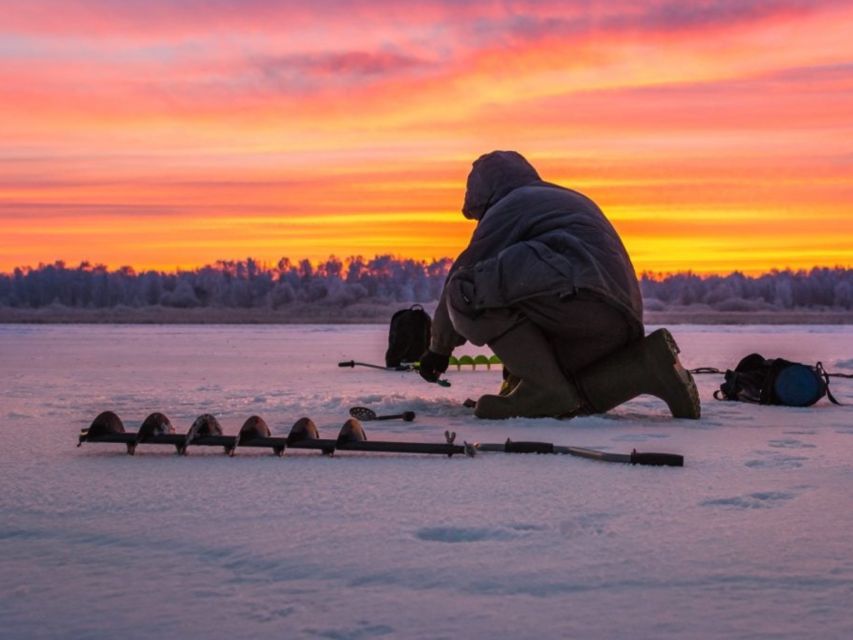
(751, 539)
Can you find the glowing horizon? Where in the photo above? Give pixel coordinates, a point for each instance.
(168, 135)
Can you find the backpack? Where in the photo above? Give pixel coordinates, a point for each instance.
(775, 381)
(408, 336)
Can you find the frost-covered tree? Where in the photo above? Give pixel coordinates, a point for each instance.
(183, 296)
(250, 283)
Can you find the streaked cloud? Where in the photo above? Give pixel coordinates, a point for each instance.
(224, 127)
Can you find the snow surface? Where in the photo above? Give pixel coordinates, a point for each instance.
(751, 539)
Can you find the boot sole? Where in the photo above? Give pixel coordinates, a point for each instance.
(694, 412)
(501, 407)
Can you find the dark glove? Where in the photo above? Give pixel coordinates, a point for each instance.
(432, 365)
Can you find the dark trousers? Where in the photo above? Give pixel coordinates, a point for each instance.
(581, 330)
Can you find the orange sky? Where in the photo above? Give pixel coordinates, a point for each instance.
(716, 135)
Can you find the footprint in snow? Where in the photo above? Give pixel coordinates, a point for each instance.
(363, 630)
(587, 524)
(790, 443)
(474, 534)
(778, 462)
(775, 460)
(640, 437)
(758, 500)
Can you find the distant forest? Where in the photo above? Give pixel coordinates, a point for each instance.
(250, 284)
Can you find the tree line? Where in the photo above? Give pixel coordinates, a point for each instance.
(251, 284)
(227, 283)
(817, 288)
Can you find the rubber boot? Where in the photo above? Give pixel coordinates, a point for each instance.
(648, 366)
(543, 390)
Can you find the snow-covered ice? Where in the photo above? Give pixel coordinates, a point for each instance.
(751, 539)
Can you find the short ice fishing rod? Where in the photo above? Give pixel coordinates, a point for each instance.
(405, 366)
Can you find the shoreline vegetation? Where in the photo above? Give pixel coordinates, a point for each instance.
(360, 291)
(377, 313)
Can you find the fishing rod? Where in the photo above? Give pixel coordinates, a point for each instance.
(408, 366)
(404, 366)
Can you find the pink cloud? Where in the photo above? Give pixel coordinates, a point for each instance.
(524, 20)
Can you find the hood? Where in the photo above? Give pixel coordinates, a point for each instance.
(493, 176)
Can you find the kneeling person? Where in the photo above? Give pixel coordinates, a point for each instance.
(547, 284)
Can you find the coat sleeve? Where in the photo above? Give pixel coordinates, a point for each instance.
(522, 270)
(444, 338)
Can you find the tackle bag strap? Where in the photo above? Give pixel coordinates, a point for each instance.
(825, 376)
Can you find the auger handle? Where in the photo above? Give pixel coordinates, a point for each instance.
(528, 447)
(657, 459)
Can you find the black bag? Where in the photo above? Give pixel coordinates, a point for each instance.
(775, 381)
(408, 337)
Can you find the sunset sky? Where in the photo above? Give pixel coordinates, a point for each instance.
(716, 135)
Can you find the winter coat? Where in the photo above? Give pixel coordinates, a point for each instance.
(532, 239)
